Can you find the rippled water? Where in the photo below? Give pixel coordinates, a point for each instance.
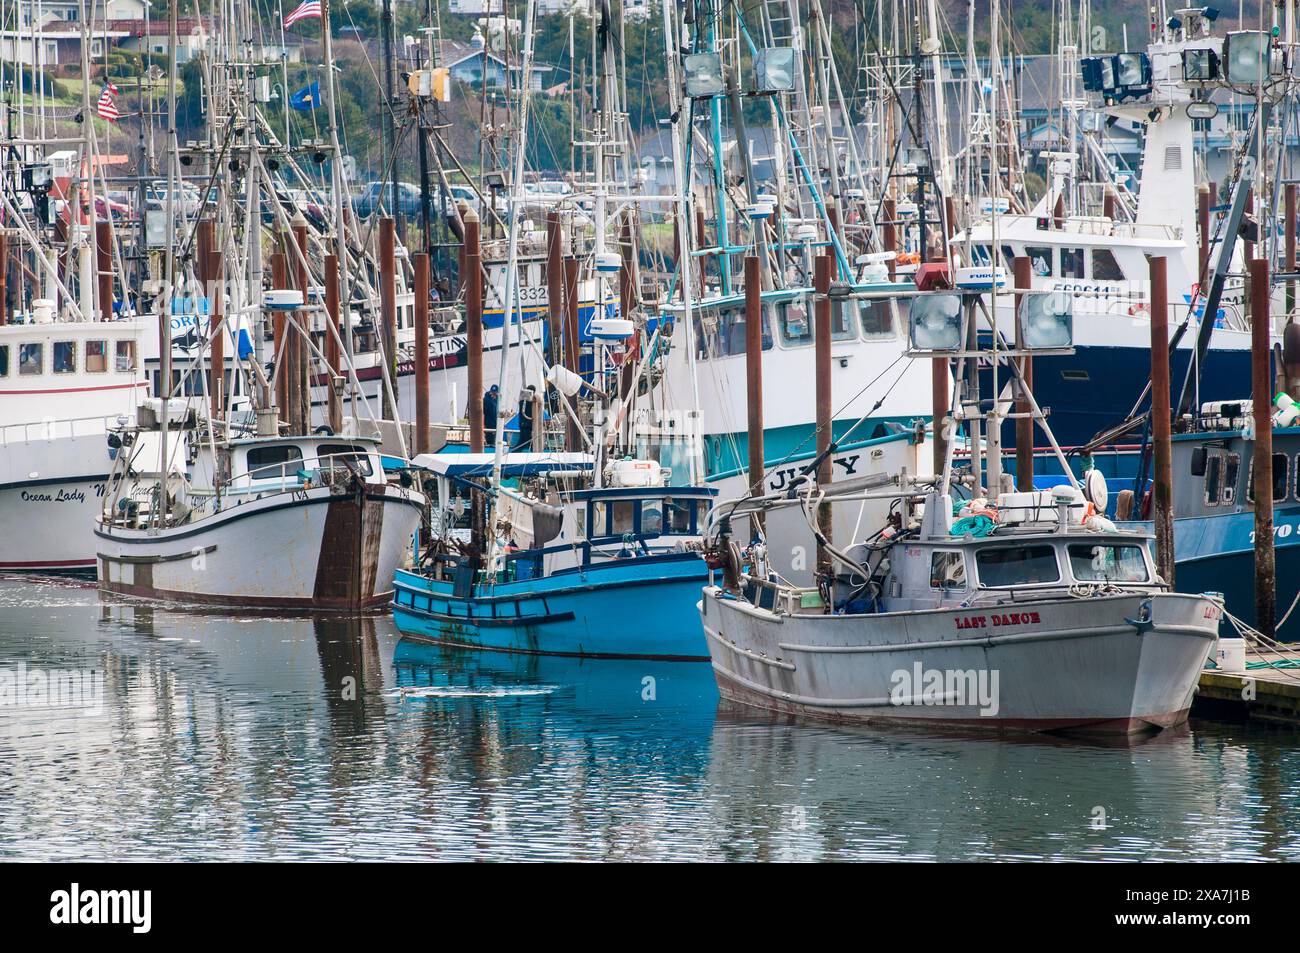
(227, 737)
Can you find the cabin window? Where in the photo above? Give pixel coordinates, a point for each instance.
(879, 317)
(795, 324)
(96, 356)
(340, 454)
(31, 358)
(947, 570)
(65, 357)
(1017, 566)
(1108, 563)
(124, 359)
(276, 461)
(1281, 478)
(1009, 254)
(724, 333)
(1072, 263)
(4, 360)
(980, 255)
(1221, 471)
(681, 516)
(842, 323)
(613, 517)
(1040, 260)
(1105, 267)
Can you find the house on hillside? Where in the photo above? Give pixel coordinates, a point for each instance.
(153, 36)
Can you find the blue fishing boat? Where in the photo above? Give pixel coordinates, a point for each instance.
(565, 568)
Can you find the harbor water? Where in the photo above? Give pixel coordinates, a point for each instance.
(210, 736)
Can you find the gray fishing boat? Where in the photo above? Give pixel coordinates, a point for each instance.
(1011, 610)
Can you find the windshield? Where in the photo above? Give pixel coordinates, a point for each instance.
(1017, 566)
(1108, 562)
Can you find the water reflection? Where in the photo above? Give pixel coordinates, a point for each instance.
(246, 736)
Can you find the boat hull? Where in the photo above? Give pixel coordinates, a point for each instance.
(1079, 665)
(629, 608)
(314, 549)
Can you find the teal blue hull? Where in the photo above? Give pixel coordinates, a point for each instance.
(632, 608)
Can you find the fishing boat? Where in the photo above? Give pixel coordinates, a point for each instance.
(608, 571)
(278, 522)
(1016, 611)
(63, 386)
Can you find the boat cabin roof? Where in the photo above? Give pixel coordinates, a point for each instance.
(522, 464)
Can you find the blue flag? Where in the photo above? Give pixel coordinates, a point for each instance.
(306, 99)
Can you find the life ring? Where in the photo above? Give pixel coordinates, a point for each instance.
(1139, 310)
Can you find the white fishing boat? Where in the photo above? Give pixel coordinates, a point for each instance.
(63, 385)
(275, 522)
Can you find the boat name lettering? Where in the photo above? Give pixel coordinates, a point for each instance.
(59, 496)
(997, 619)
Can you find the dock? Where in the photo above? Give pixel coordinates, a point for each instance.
(1266, 694)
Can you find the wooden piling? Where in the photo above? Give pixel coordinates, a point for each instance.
(332, 351)
(104, 268)
(1108, 205)
(1162, 490)
(754, 370)
(822, 363)
(279, 324)
(301, 388)
(217, 333)
(572, 350)
(474, 330)
(1022, 278)
(554, 286)
(1262, 398)
(388, 306)
(4, 278)
(421, 262)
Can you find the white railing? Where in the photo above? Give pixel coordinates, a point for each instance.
(43, 431)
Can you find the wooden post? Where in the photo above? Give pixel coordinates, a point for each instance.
(301, 366)
(554, 286)
(421, 262)
(332, 352)
(1203, 226)
(1058, 212)
(104, 268)
(279, 323)
(572, 351)
(1108, 204)
(627, 295)
(1022, 278)
(890, 234)
(754, 370)
(474, 330)
(1262, 398)
(216, 333)
(1162, 490)
(388, 305)
(822, 363)
(4, 278)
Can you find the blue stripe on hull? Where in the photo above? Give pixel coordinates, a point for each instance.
(611, 610)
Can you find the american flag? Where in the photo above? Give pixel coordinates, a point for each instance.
(306, 10)
(105, 108)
